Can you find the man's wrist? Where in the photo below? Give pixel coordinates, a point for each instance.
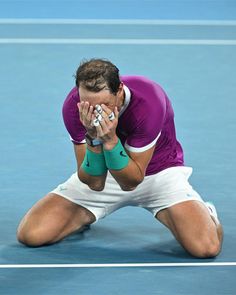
(96, 149)
(94, 163)
(92, 141)
(91, 132)
(109, 145)
(116, 158)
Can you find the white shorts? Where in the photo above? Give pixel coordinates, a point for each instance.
(155, 193)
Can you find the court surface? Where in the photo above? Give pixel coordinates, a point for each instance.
(189, 47)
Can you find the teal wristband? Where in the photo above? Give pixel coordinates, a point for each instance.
(117, 158)
(94, 164)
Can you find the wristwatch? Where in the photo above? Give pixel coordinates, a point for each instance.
(92, 141)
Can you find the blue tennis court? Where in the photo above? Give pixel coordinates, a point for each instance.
(188, 47)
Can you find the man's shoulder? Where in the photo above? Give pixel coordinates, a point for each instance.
(133, 79)
(73, 94)
(71, 100)
(144, 90)
(69, 107)
(142, 84)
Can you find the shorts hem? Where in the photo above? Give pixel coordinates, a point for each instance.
(175, 203)
(77, 203)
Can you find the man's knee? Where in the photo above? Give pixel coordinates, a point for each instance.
(32, 237)
(29, 239)
(205, 248)
(35, 234)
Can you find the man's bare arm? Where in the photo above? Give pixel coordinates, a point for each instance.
(96, 183)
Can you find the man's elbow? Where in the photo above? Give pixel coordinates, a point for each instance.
(128, 188)
(95, 185)
(131, 186)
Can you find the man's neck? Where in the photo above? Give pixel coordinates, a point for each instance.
(121, 100)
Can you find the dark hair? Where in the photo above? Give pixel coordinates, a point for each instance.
(96, 74)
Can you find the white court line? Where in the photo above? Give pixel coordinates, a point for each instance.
(119, 265)
(170, 22)
(101, 41)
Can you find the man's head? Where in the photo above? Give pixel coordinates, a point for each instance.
(98, 82)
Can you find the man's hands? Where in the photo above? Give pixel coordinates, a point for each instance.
(133, 174)
(86, 114)
(106, 129)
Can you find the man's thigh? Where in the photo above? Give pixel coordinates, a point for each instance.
(51, 219)
(187, 218)
(192, 225)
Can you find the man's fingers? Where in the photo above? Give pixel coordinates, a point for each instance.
(105, 126)
(85, 112)
(99, 109)
(111, 115)
(99, 130)
(90, 113)
(79, 106)
(86, 108)
(105, 108)
(116, 112)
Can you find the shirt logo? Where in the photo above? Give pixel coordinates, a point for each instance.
(122, 154)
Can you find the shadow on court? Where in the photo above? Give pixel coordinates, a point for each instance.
(103, 244)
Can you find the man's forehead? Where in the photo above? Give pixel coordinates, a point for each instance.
(102, 96)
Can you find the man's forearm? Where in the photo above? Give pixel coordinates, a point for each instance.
(129, 177)
(96, 183)
(93, 170)
(124, 169)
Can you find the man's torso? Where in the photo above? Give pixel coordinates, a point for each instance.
(146, 119)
